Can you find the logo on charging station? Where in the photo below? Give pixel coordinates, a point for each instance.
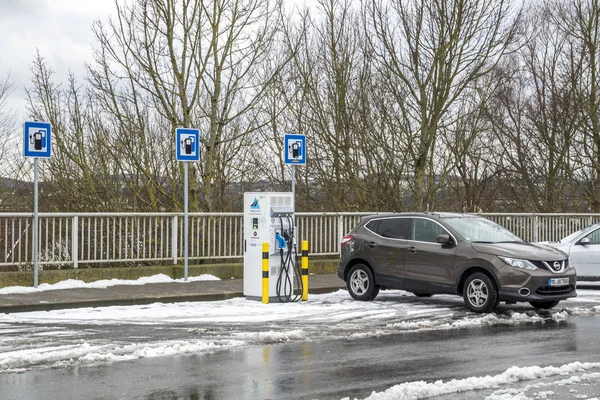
(294, 149)
(255, 205)
(187, 144)
(37, 140)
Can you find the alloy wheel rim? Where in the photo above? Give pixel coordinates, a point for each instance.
(359, 282)
(477, 292)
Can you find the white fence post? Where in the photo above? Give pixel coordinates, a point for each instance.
(536, 227)
(174, 236)
(341, 233)
(75, 242)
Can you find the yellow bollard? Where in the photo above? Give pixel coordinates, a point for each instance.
(304, 270)
(265, 273)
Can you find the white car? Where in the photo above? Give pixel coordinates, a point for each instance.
(583, 248)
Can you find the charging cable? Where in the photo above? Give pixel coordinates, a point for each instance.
(285, 287)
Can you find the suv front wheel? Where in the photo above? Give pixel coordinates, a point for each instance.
(361, 284)
(479, 293)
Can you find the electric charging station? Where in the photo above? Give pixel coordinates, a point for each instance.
(269, 217)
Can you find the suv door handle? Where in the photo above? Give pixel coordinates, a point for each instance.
(412, 249)
(371, 244)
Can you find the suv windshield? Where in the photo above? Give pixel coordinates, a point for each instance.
(477, 229)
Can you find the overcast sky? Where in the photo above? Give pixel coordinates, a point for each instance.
(59, 29)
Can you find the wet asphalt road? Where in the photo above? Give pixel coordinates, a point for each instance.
(330, 369)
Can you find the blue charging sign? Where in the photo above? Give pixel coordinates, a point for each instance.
(37, 139)
(294, 149)
(187, 143)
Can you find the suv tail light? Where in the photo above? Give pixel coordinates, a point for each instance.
(345, 239)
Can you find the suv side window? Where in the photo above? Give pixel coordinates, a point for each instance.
(594, 237)
(425, 230)
(372, 225)
(394, 228)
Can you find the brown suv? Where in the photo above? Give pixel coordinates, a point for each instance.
(467, 255)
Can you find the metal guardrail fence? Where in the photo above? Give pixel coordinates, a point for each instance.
(70, 239)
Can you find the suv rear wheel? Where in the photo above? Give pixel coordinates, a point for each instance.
(361, 284)
(479, 293)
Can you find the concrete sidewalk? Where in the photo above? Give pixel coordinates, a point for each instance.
(145, 294)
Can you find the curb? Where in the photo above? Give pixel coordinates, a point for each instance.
(17, 308)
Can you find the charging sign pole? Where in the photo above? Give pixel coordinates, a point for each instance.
(187, 143)
(37, 143)
(294, 153)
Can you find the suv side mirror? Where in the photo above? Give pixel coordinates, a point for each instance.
(443, 238)
(584, 241)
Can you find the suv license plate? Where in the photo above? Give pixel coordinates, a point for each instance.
(558, 281)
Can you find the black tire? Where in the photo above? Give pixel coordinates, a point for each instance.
(423, 294)
(544, 305)
(374, 293)
(361, 283)
(479, 293)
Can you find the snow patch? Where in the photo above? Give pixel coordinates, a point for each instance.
(582, 312)
(572, 380)
(470, 321)
(271, 336)
(421, 389)
(85, 353)
(103, 284)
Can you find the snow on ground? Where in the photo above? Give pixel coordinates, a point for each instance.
(79, 336)
(103, 284)
(85, 353)
(556, 389)
(583, 284)
(422, 390)
(330, 308)
(86, 336)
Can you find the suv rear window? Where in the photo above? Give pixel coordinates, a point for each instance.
(372, 225)
(394, 228)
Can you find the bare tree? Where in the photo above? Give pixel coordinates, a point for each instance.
(550, 117)
(6, 118)
(430, 52)
(164, 64)
(536, 117)
(77, 174)
(472, 152)
(407, 104)
(333, 106)
(579, 22)
(12, 168)
(281, 108)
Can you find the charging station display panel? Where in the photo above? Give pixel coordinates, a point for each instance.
(37, 140)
